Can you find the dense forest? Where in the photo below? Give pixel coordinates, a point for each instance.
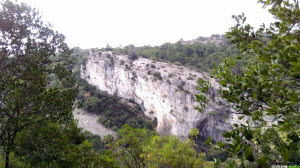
(203, 56)
(40, 86)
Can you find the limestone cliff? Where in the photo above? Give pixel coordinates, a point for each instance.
(164, 91)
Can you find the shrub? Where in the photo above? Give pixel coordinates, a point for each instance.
(190, 78)
(132, 56)
(157, 75)
(114, 112)
(177, 63)
(127, 67)
(154, 58)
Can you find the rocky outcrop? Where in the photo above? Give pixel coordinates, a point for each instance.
(164, 91)
(215, 39)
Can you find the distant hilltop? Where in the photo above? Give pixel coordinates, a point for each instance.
(215, 38)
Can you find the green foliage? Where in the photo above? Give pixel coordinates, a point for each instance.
(204, 87)
(177, 63)
(132, 56)
(194, 133)
(202, 56)
(96, 141)
(129, 146)
(130, 50)
(54, 145)
(28, 62)
(57, 145)
(266, 94)
(37, 95)
(157, 75)
(113, 111)
(14, 161)
(137, 147)
(92, 104)
(172, 152)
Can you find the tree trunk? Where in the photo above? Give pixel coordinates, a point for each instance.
(7, 152)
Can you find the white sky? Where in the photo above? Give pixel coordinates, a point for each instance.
(94, 23)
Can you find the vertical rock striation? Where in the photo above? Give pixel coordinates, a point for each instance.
(164, 91)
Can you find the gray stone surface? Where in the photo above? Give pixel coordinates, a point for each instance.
(89, 122)
(170, 100)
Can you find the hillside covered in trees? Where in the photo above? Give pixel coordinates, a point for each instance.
(201, 55)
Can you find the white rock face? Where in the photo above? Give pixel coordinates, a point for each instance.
(170, 98)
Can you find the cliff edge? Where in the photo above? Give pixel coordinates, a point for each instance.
(164, 91)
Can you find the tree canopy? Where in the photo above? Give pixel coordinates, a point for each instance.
(266, 95)
(28, 59)
(136, 147)
(203, 55)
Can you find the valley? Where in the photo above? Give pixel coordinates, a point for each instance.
(226, 101)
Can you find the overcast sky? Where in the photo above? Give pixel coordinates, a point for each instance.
(94, 23)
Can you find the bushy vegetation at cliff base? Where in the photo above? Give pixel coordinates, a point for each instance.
(113, 111)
